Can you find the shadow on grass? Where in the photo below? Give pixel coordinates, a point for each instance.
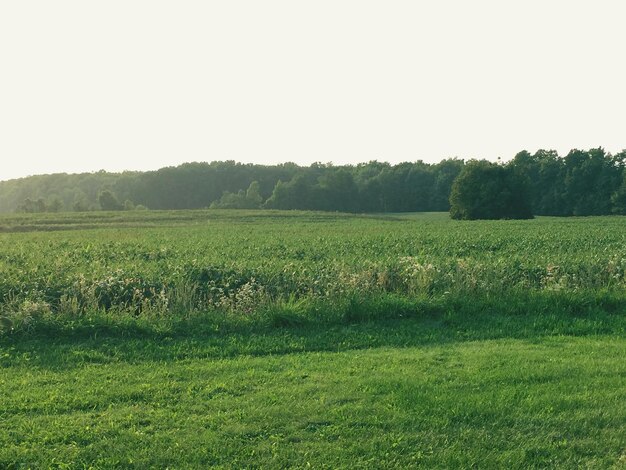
(382, 321)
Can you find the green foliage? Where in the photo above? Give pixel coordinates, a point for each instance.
(40, 205)
(250, 199)
(6, 324)
(618, 198)
(581, 183)
(29, 206)
(108, 201)
(231, 262)
(370, 187)
(487, 190)
(80, 204)
(297, 194)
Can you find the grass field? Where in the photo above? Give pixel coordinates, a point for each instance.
(285, 339)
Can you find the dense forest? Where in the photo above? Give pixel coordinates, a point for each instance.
(589, 182)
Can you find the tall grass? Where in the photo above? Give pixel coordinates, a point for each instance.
(289, 267)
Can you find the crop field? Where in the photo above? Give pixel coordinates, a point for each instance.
(271, 339)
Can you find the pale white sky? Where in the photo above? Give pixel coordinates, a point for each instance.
(129, 84)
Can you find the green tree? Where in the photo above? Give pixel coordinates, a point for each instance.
(108, 201)
(485, 190)
(444, 172)
(336, 191)
(56, 205)
(27, 205)
(80, 202)
(253, 195)
(297, 194)
(250, 199)
(619, 198)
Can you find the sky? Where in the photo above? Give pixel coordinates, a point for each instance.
(137, 85)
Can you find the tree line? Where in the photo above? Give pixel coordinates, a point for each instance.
(591, 182)
(367, 187)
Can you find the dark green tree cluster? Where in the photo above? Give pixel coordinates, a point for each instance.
(108, 201)
(581, 183)
(369, 187)
(486, 190)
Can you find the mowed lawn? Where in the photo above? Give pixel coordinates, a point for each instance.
(396, 394)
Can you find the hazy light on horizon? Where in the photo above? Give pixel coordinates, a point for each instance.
(139, 85)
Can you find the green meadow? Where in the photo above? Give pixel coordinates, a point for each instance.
(273, 339)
